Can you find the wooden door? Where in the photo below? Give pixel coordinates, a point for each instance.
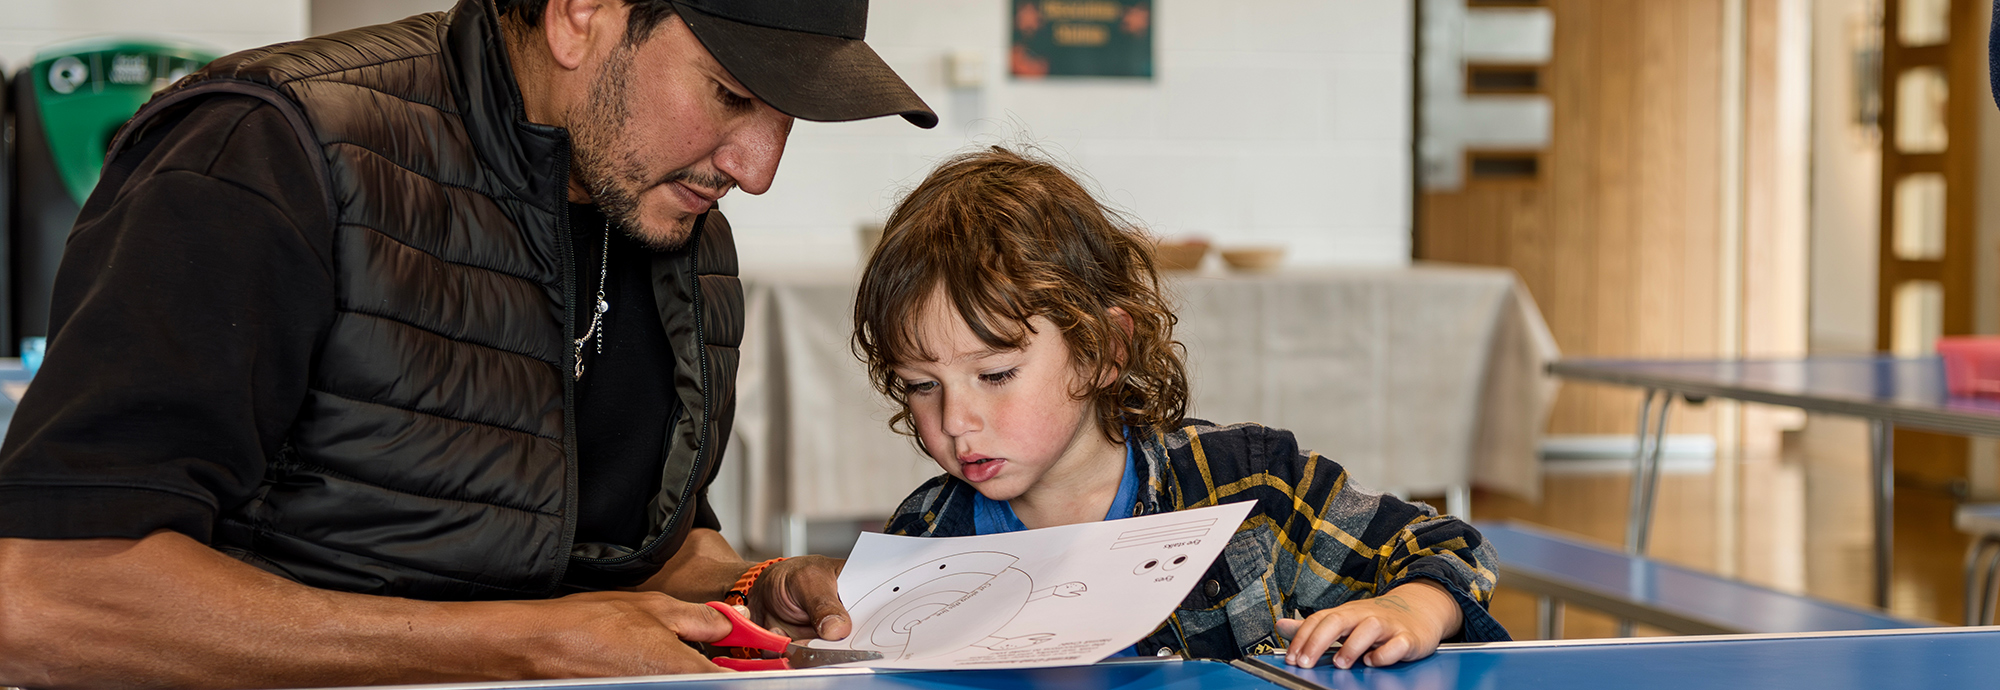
(1933, 87)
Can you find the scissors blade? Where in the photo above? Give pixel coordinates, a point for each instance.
(801, 656)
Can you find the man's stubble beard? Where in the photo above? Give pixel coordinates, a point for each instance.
(609, 171)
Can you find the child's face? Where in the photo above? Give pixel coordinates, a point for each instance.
(1002, 420)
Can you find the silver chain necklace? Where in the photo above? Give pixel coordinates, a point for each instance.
(597, 315)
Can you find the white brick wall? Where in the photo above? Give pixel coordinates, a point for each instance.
(328, 16)
(1269, 121)
(227, 25)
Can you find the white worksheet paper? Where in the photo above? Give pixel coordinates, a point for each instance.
(1059, 596)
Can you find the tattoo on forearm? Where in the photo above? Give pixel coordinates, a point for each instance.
(1395, 602)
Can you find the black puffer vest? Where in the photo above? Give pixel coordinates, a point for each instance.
(434, 456)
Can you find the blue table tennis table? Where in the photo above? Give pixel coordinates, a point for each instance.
(1169, 673)
(1922, 658)
(1928, 658)
(1887, 391)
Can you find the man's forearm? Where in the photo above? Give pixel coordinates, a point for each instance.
(703, 570)
(168, 611)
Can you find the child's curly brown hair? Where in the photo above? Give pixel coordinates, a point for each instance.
(1009, 237)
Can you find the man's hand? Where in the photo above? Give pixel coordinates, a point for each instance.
(617, 634)
(796, 597)
(1405, 624)
(800, 598)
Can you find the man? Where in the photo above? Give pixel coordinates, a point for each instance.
(406, 354)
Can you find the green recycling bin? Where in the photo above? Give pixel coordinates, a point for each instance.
(68, 102)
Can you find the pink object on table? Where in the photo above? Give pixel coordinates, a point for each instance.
(1971, 365)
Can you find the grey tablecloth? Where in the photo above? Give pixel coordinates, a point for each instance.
(1417, 380)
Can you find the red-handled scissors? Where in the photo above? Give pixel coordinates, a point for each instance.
(778, 651)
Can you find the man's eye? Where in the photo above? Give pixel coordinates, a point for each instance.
(730, 99)
(1001, 377)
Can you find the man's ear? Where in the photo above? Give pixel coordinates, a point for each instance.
(574, 28)
(1124, 321)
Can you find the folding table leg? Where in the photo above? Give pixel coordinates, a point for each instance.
(1646, 469)
(1548, 618)
(1976, 579)
(1989, 585)
(1881, 455)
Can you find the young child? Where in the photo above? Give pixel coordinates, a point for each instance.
(1020, 326)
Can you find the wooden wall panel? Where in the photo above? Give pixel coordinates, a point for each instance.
(1777, 131)
(1701, 165)
(1621, 242)
(1618, 238)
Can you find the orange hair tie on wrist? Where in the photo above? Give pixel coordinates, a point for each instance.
(740, 592)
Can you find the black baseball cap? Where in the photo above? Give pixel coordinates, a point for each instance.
(804, 57)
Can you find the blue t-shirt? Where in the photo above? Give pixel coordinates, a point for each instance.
(997, 517)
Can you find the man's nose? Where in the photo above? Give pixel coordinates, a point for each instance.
(750, 156)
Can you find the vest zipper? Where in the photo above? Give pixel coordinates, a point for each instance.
(702, 447)
(707, 394)
(567, 363)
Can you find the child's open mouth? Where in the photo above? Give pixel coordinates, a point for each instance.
(981, 469)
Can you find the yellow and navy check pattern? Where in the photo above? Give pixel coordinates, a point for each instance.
(1315, 540)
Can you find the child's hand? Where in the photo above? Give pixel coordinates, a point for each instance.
(1404, 625)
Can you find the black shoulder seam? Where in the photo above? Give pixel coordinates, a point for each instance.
(300, 127)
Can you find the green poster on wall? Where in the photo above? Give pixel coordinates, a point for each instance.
(1082, 38)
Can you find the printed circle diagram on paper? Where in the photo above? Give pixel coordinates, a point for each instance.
(949, 604)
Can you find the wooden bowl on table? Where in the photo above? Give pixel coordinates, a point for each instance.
(1253, 258)
(1180, 255)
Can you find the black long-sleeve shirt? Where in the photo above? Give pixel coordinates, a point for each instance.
(189, 307)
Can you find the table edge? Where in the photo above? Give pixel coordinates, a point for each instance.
(741, 675)
(1945, 421)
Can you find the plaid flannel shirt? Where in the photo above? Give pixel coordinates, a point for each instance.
(1314, 541)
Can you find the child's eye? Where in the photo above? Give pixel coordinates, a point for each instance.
(1000, 377)
(918, 387)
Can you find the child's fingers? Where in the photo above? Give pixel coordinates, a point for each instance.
(1300, 652)
(1396, 648)
(1314, 636)
(1365, 635)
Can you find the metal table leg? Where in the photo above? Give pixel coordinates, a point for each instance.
(1549, 618)
(1979, 582)
(1881, 455)
(1645, 477)
(1646, 469)
(1989, 590)
(1975, 596)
